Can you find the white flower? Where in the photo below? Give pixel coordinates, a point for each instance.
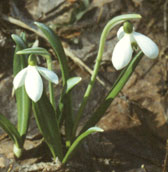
(123, 50)
(32, 80)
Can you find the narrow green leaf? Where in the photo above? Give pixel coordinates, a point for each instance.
(48, 126)
(22, 99)
(65, 107)
(19, 61)
(72, 82)
(78, 140)
(54, 41)
(10, 129)
(117, 87)
(23, 36)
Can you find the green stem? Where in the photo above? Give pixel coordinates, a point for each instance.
(118, 85)
(51, 89)
(111, 24)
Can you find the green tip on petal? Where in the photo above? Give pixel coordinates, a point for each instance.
(128, 27)
(32, 60)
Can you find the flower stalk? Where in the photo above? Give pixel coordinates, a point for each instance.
(111, 24)
(117, 87)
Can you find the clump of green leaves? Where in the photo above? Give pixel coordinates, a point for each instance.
(51, 116)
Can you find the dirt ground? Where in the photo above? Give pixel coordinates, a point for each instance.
(136, 125)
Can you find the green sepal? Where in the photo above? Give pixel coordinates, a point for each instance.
(117, 87)
(22, 99)
(78, 140)
(48, 126)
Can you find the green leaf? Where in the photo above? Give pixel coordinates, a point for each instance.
(72, 82)
(19, 61)
(54, 41)
(65, 107)
(78, 140)
(10, 129)
(117, 87)
(22, 99)
(48, 126)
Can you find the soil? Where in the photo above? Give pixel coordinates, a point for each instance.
(135, 124)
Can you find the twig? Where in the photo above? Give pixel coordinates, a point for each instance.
(22, 24)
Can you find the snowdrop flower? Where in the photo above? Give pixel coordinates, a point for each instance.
(128, 40)
(30, 77)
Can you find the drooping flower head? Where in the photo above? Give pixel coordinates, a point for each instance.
(128, 40)
(30, 77)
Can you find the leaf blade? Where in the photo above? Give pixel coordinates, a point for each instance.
(47, 124)
(10, 129)
(22, 99)
(65, 106)
(78, 140)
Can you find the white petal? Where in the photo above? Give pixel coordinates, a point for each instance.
(33, 84)
(48, 74)
(122, 53)
(19, 79)
(148, 47)
(120, 33)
